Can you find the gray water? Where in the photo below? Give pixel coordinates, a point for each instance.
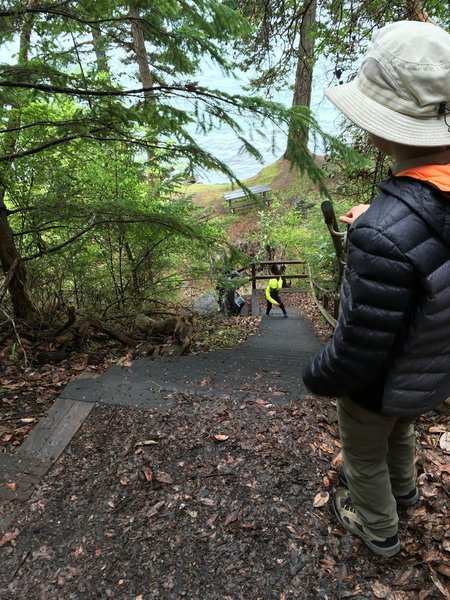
(223, 143)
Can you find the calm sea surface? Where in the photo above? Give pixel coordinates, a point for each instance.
(223, 143)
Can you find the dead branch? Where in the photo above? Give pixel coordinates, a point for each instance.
(65, 326)
(104, 328)
(179, 327)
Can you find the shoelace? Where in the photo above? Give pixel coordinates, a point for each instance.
(348, 505)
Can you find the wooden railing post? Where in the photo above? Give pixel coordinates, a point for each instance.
(336, 236)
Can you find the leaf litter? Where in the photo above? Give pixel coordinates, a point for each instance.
(217, 499)
(243, 517)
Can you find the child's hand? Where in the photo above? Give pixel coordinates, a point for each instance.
(354, 213)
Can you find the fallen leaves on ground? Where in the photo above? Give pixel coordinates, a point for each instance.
(246, 518)
(27, 392)
(8, 537)
(186, 505)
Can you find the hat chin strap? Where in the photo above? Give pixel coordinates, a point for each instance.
(443, 110)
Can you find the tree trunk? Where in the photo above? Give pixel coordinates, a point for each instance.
(415, 12)
(303, 76)
(145, 74)
(9, 255)
(10, 259)
(140, 51)
(100, 51)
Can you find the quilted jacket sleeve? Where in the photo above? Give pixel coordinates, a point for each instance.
(378, 286)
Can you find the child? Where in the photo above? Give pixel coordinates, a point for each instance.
(389, 358)
(272, 292)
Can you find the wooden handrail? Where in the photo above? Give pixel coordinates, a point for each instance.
(288, 276)
(255, 277)
(282, 262)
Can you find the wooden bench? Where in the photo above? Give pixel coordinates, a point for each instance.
(242, 199)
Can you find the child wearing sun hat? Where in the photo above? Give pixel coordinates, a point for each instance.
(389, 358)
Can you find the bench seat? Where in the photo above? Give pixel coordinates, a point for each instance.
(235, 196)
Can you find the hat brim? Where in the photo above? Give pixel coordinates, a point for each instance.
(386, 123)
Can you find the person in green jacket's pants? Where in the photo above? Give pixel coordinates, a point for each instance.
(272, 292)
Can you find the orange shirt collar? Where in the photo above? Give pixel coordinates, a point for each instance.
(437, 175)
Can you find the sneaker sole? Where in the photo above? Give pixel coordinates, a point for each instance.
(384, 552)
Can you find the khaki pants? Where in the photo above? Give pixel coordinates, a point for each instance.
(378, 455)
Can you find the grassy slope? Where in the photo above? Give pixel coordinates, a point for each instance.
(287, 182)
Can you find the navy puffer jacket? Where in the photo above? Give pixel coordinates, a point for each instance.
(390, 351)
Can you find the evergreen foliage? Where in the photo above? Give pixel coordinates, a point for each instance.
(93, 126)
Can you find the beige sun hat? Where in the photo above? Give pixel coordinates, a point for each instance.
(402, 90)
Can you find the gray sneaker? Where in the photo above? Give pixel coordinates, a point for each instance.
(409, 500)
(347, 516)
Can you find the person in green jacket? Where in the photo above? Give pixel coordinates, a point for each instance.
(272, 292)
